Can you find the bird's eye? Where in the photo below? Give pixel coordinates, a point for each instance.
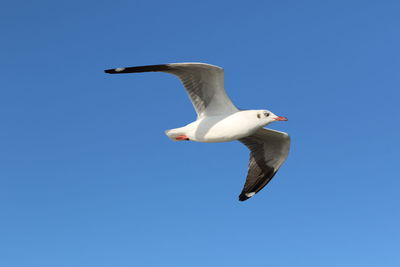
(258, 116)
(266, 114)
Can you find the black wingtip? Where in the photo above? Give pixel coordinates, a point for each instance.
(148, 68)
(243, 197)
(113, 71)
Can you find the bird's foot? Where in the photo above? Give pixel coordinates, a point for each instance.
(181, 138)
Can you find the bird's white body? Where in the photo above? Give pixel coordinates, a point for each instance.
(224, 128)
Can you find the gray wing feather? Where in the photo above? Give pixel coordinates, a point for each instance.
(204, 84)
(268, 151)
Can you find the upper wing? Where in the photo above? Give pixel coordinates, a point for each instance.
(268, 150)
(203, 82)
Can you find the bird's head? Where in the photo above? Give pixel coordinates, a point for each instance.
(265, 117)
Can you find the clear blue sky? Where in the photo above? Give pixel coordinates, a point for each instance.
(88, 177)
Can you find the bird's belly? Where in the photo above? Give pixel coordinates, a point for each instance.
(217, 138)
(226, 130)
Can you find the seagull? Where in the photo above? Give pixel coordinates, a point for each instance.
(218, 120)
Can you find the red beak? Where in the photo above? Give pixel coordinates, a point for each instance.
(279, 118)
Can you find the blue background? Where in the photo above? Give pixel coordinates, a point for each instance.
(88, 177)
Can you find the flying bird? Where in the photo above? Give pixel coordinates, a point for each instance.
(218, 120)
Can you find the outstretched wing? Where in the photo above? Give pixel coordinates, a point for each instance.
(268, 150)
(204, 84)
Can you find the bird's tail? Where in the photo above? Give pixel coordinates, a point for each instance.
(176, 134)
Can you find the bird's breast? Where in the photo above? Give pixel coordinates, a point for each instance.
(222, 129)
